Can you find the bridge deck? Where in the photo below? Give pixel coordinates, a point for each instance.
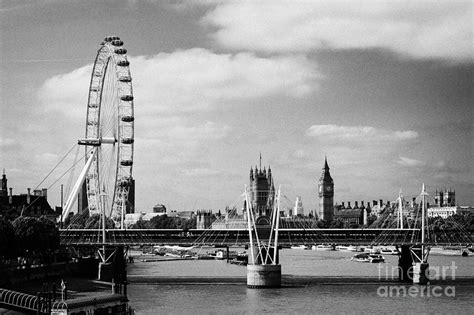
(287, 237)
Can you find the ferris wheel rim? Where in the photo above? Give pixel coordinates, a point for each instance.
(111, 67)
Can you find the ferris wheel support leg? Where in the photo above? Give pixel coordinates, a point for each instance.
(73, 195)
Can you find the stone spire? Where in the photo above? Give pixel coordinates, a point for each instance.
(4, 191)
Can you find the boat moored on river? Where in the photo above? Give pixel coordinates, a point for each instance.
(349, 248)
(371, 258)
(322, 247)
(299, 247)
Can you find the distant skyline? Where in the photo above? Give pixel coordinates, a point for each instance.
(384, 89)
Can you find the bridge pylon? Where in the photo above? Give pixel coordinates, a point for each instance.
(413, 261)
(263, 268)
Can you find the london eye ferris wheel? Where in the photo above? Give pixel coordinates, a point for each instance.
(109, 132)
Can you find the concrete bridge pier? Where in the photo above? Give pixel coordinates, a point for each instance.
(405, 264)
(112, 267)
(412, 266)
(421, 273)
(420, 266)
(261, 275)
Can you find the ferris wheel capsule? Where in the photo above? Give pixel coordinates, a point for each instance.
(123, 63)
(128, 118)
(117, 43)
(120, 51)
(127, 98)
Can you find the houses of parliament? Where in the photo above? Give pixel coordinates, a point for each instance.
(262, 192)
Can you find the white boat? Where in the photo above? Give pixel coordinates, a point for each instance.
(299, 247)
(451, 251)
(389, 251)
(172, 255)
(349, 248)
(322, 247)
(218, 255)
(370, 258)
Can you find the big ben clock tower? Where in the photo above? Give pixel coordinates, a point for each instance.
(326, 194)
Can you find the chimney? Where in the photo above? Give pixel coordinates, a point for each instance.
(343, 207)
(28, 197)
(388, 203)
(362, 203)
(349, 205)
(381, 203)
(356, 205)
(10, 198)
(374, 203)
(44, 193)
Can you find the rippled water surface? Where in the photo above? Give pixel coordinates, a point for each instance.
(152, 289)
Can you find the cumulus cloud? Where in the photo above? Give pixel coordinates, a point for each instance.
(420, 29)
(67, 93)
(359, 133)
(404, 161)
(190, 80)
(198, 79)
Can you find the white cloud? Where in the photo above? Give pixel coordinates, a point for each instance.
(190, 80)
(404, 161)
(359, 133)
(67, 92)
(198, 79)
(420, 29)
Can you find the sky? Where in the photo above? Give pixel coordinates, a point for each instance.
(384, 89)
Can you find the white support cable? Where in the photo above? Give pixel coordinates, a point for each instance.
(249, 226)
(271, 233)
(277, 226)
(259, 245)
(400, 210)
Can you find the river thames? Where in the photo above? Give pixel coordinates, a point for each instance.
(312, 282)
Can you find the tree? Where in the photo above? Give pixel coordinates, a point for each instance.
(338, 223)
(35, 236)
(7, 239)
(140, 224)
(28, 234)
(322, 224)
(77, 221)
(163, 222)
(49, 235)
(95, 222)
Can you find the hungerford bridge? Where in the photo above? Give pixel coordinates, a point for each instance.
(264, 241)
(107, 174)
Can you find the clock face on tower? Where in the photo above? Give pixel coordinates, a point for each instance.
(328, 188)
